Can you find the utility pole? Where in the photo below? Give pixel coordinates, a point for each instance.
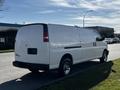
(85, 16)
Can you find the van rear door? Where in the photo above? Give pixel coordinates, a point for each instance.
(30, 45)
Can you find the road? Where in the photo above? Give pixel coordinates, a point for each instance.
(13, 78)
(114, 51)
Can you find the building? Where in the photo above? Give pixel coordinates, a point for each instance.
(104, 31)
(7, 35)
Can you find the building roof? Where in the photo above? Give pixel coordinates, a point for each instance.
(100, 27)
(10, 25)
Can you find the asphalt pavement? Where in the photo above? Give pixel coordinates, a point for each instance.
(13, 78)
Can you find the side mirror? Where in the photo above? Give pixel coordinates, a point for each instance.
(100, 38)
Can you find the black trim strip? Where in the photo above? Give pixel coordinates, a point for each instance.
(71, 47)
(35, 24)
(45, 27)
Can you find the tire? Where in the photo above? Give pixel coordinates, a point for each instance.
(65, 67)
(33, 70)
(104, 57)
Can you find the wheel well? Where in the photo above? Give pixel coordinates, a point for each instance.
(67, 56)
(105, 50)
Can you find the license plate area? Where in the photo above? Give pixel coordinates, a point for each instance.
(32, 51)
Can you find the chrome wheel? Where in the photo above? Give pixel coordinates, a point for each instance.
(104, 57)
(66, 68)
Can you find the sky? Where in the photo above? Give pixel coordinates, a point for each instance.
(67, 12)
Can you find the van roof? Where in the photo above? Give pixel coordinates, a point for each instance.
(35, 24)
(49, 24)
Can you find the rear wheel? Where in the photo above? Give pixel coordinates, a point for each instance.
(65, 67)
(104, 57)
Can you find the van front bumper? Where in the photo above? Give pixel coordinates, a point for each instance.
(31, 65)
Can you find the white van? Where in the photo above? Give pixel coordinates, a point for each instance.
(50, 46)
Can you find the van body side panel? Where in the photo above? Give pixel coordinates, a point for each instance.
(75, 41)
(63, 40)
(101, 46)
(29, 46)
(91, 49)
(90, 52)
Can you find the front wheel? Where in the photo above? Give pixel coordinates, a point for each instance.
(104, 57)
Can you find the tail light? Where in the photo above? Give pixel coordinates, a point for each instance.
(45, 36)
(45, 33)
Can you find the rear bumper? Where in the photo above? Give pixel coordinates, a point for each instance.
(31, 65)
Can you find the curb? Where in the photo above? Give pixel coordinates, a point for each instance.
(6, 51)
